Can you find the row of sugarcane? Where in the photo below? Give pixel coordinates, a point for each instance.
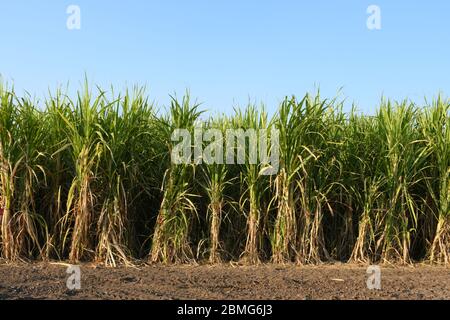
(92, 179)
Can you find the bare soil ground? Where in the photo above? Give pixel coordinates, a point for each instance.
(338, 281)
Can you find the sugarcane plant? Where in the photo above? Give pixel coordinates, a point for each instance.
(435, 125)
(82, 139)
(403, 157)
(170, 241)
(22, 147)
(125, 129)
(215, 182)
(284, 235)
(254, 184)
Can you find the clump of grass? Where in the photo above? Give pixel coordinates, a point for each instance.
(170, 242)
(82, 137)
(284, 236)
(22, 142)
(401, 165)
(435, 126)
(216, 179)
(254, 185)
(124, 128)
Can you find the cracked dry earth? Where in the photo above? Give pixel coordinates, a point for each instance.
(337, 281)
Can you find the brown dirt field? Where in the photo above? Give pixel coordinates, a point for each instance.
(338, 281)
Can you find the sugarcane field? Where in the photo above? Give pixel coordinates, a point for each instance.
(113, 188)
(92, 180)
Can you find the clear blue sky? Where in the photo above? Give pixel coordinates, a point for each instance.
(226, 52)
